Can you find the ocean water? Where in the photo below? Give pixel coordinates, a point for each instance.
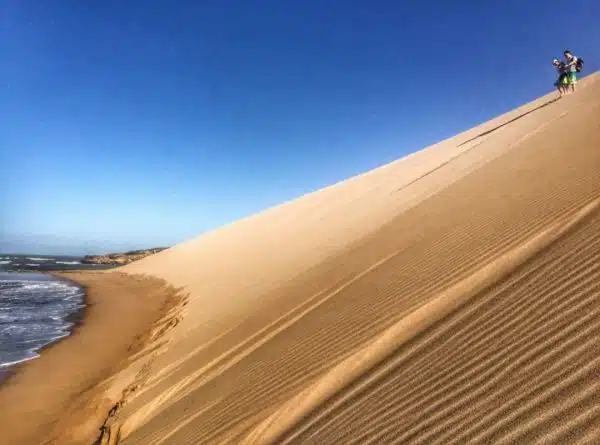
(41, 263)
(35, 309)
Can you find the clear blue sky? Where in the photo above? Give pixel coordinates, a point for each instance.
(143, 123)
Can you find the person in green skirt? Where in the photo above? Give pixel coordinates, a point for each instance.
(572, 66)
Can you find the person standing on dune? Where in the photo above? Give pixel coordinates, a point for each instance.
(561, 82)
(572, 67)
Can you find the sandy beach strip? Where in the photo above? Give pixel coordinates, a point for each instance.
(64, 396)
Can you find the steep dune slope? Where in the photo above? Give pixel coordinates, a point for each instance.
(450, 296)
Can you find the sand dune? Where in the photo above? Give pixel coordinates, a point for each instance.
(452, 296)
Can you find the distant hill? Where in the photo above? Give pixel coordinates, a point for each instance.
(121, 258)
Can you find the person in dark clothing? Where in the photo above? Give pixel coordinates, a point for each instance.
(562, 83)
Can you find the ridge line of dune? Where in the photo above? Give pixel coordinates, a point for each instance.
(274, 427)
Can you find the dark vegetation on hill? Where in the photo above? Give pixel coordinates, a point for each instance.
(120, 258)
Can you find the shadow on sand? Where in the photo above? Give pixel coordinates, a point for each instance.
(485, 133)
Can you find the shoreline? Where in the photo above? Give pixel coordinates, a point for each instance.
(76, 318)
(68, 391)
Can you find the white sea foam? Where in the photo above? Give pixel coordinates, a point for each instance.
(39, 259)
(33, 314)
(26, 359)
(32, 265)
(5, 262)
(68, 262)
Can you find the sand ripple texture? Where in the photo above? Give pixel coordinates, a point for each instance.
(451, 297)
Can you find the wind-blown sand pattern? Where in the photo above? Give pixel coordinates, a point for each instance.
(450, 297)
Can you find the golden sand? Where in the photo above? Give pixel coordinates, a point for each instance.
(450, 297)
